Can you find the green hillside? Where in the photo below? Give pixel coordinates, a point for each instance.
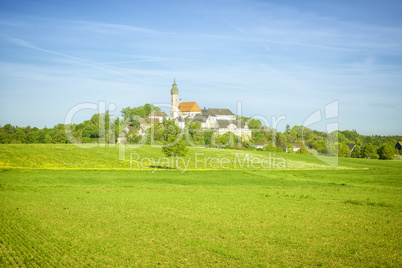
(67, 206)
(68, 156)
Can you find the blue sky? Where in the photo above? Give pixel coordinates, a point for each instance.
(276, 57)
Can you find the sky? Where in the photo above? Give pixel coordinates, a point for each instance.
(278, 61)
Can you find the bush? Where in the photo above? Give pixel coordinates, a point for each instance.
(289, 149)
(343, 150)
(369, 151)
(303, 150)
(357, 152)
(313, 152)
(386, 152)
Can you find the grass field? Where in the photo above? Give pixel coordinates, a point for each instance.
(67, 156)
(67, 206)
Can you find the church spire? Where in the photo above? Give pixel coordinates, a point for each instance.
(174, 90)
(174, 112)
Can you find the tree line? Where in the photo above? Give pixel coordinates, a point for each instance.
(105, 129)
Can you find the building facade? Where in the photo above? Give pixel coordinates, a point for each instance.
(222, 120)
(174, 92)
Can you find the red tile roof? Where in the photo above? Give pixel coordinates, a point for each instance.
(189, 107)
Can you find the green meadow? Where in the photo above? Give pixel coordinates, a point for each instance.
(62, 205)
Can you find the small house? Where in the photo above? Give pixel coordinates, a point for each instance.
(180, 122)
(260, 145)
(157, 116)
(398, 146)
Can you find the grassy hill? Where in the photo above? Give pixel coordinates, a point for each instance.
(67, 206)
(68, 156)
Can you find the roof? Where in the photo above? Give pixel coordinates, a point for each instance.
(174, 89)
(351, 146)
(217, 111)
(189, 107)
(150, 120)
(200, 118)
(133, 128)
(294, 145)
(226, 123)
(398, 145)
(179, 119)
(261, 143)
(158, 113)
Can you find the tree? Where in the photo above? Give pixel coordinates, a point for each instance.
(175, 149)
(147, 109)
(19, 136)
(208, 135)
(47, 139)
(343, 150)
(127, 114)
(287, 129)
(107, 120)
(386, 152)
(289, 149)
(369, 151)
(357, 152)
(8, 129)
(331, 149)
(270, 147)
(198, 138)
(280, 140)
(342, 138)
(228, 140)
(254, 124)
(139, 111)
(60, 137)
(116, 128)
(33, 137)
(258, 136)
(303, 150)
(4, 138)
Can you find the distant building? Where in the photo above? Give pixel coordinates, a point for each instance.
(188, 109)
(122, 138)
(351, 146)
(398, 146)
(157, 115)
(295, 147)
(138, 130)
(180, 122)
(203, 120)
(235, 126)
(222, 120)
(174, 113)
(260, 145)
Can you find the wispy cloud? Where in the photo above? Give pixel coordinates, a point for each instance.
(27, 44)
(62, 57)
(274, 57)
(315, 31)
(109, 28)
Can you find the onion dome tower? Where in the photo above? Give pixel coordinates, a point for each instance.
(174, 111)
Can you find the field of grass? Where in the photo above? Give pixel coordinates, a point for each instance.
(67, 206)
(68, 156)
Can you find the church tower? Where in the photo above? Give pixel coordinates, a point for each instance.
(174, 111)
